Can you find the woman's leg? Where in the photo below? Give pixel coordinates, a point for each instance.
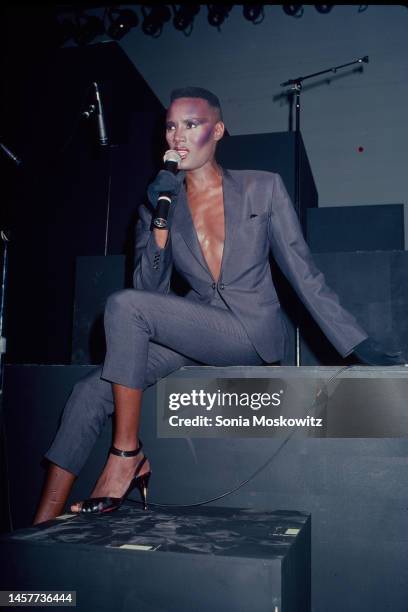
(205, 333)
(119, 471)
(85, 415)
(57, 486)
(135, 323)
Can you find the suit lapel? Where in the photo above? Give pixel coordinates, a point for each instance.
(232, 215)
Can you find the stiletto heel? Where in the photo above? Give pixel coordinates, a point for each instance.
(98, 505)
(142, 483)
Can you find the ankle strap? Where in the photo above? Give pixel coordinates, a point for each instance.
(125, 453)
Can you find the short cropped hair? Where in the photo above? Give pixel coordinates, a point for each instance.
(197, 92)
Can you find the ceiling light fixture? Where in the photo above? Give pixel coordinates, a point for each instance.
(121, 22)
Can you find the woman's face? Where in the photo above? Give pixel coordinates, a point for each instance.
(193, 130)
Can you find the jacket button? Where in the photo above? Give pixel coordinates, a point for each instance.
(222, 286)
(213, 285)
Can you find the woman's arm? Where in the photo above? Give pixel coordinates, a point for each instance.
(295, 260)
(153, 257)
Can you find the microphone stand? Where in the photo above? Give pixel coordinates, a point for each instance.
(5, 511)
(296, 88)
(5, 238)
(95, 110)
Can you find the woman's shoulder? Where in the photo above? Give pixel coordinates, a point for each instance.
(244, 175)
(252, 178)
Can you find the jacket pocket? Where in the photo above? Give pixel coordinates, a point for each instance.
(261, 217)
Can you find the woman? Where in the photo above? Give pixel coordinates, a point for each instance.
(222, 226)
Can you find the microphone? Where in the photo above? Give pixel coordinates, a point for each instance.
(103, 138)
(171, 161)
(10, 154)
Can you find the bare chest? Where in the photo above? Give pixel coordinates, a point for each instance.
(207, 212)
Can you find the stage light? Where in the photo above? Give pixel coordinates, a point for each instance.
(184, 17)
(254, 13)
(217, 13)
(154, 20)
(323, 8)
(293, 10)
(121, 22)
(88, 27)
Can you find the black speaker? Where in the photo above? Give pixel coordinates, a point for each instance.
(274, 152)
(95, 280)
(356, 228)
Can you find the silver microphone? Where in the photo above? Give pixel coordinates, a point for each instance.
(103, 138)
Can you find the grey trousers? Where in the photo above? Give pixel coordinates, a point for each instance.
(148, 336)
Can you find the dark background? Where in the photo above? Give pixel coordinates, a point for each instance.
(70, 197)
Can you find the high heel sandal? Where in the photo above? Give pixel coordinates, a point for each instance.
(98, 505)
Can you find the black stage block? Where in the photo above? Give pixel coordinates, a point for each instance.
(356, 228)
(202, 559)
(374, 287)
(274, 152)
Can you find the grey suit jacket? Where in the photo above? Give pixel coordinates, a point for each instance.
(259, 216)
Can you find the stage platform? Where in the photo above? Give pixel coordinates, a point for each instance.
(355, 488)
(167, 560)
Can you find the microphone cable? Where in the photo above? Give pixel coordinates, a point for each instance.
(255, 473)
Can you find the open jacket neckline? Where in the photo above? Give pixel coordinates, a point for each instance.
(183, 222)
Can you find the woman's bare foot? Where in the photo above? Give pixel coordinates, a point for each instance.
(116, 477)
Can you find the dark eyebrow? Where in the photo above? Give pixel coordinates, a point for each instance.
(201, 119)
